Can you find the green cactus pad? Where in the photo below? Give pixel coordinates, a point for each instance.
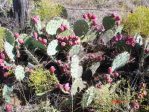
(76, 69)
(90, 36)
(7, 90)
(94, 67)
(119, 30)
(107, 36)
(75, 50)
(54, 24)
(80, 27)
(120, 60)
(9, 51)
(108, 22)
(52, 47)
(66, 33)
(88, 97)
(7, 35)
(77, 84)
(19, 73)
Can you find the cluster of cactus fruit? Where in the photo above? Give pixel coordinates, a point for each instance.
(59, 56)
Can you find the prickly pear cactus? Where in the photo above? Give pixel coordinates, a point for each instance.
(52, 48)
(19, 73)
(94, 67)
(80, 27)
(90, 36)
(76, 73)
(54, 24)
(7, 90)
(107, 36)
(108, 22)
(32, 44)
(76, 69)
(88, 97)
(7, 35)
(138, 39)
(119, 30)
(77, 86)
(38, 26)
(9, 51)
(120, 60)
(75, 50)
(66, 33)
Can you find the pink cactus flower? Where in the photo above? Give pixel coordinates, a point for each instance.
(52, 69)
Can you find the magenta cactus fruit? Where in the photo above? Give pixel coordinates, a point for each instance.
(44, 41)
(63, 44)
(35, 35)
(110, 71)
(52, 69)
(16, 35)
(9, 108)
(131, 41)
(21, 41)
(85, 16)
(93, 17)
(35, 19)
(67, 87)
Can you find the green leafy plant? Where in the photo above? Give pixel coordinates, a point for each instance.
(137, 22)
(42, 80)
(47, 9)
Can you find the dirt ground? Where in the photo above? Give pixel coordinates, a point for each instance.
(76, 8)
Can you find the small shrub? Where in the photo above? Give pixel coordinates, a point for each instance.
(47, 10)
(42, 80)
(137, 22)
